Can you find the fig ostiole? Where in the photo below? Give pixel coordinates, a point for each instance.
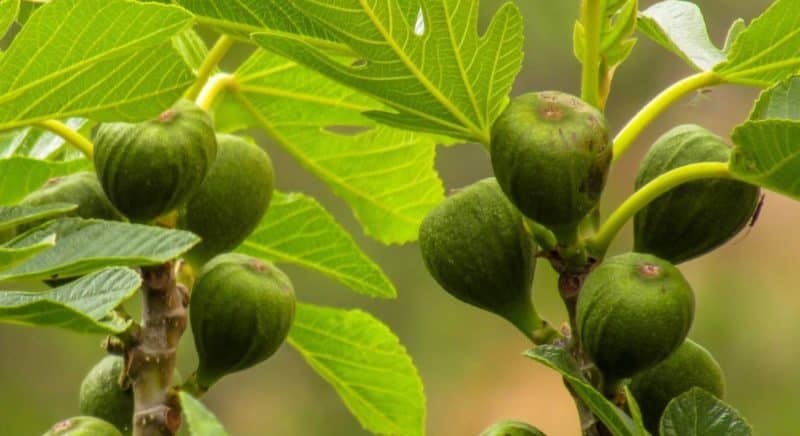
(633, 311)
(689, 366)
(551, 153)
(241, 311)
(511, 428)
(83, 426)
(475, 246)
(231, 201)
(149, 169)
(694, 218)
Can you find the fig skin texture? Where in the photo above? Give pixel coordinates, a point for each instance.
(694, 218)
(241, 311)
(512, 428)
(150, 168)
(551, 153)
(475, 246)
(83, 426)
(102, 396)
(82, 189)
(689, 366)
(231, 201)
(633, 311)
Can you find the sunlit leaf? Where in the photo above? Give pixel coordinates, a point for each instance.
(8, 13)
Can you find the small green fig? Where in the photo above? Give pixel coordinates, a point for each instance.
(633, 311)
(83, 426)
(241, 312)
(689, 366)
(696, 217)
(231, 201)
(475, 245)
(102, 396)
(551, 153)
(82, 189)
(150, 168)
(512, 428)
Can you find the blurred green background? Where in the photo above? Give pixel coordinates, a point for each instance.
(471, 361)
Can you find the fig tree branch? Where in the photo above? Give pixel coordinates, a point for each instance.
(657, 106)
(598, 244)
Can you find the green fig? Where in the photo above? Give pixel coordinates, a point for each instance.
(82, 189)
(632, 312)
(231, 201)
(241, 312)
(696, 217)
(475, 246)
(512, 428)
(83, 426)
(551, 153)
(102, 396)
(150, 168)
(689, 366)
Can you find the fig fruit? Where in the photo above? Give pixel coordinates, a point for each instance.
(83, 426)
(231, 201)
(512, 428)
(551, 153)
(102, 396)
(475, 246)
(632, 312)
(695, 217)
(689, 366)
(241, 311)
(150, 168)
(82, 189)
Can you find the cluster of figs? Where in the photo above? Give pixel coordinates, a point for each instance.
(550, 155)
(177, 170)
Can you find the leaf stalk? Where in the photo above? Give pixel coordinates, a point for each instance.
(72, 137)
(592, 20)
(213, 58)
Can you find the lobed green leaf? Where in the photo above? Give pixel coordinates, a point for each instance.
(19, 176)
(117, 65)
(423, 59)
(559, 360)
(85, 305)
(364, 361)
(386, 176)
(200, 420)
(699, 413)
(84, 246)
(297, 230)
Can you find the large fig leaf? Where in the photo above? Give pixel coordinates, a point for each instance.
(364, 361)
(768, 51)
(200, 420)
(422, 58)
(83, 246)
(20, 176)
(11, 257)
(679, 27)
(558, 359)
(12, 216)
(116, 64)
(297, 230)
(386, 175)
(84, 305)
(8, 13)
(698, 413)
(767, 148)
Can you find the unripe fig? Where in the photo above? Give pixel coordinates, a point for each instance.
(241, 311)
(475, 245)
(695, 217)
(83, 426)
(82, 189)
(150, 168)
(633, 311)
(512, 428)
(689, 366)
(551, 153)
(231, 201)
(102, 396)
